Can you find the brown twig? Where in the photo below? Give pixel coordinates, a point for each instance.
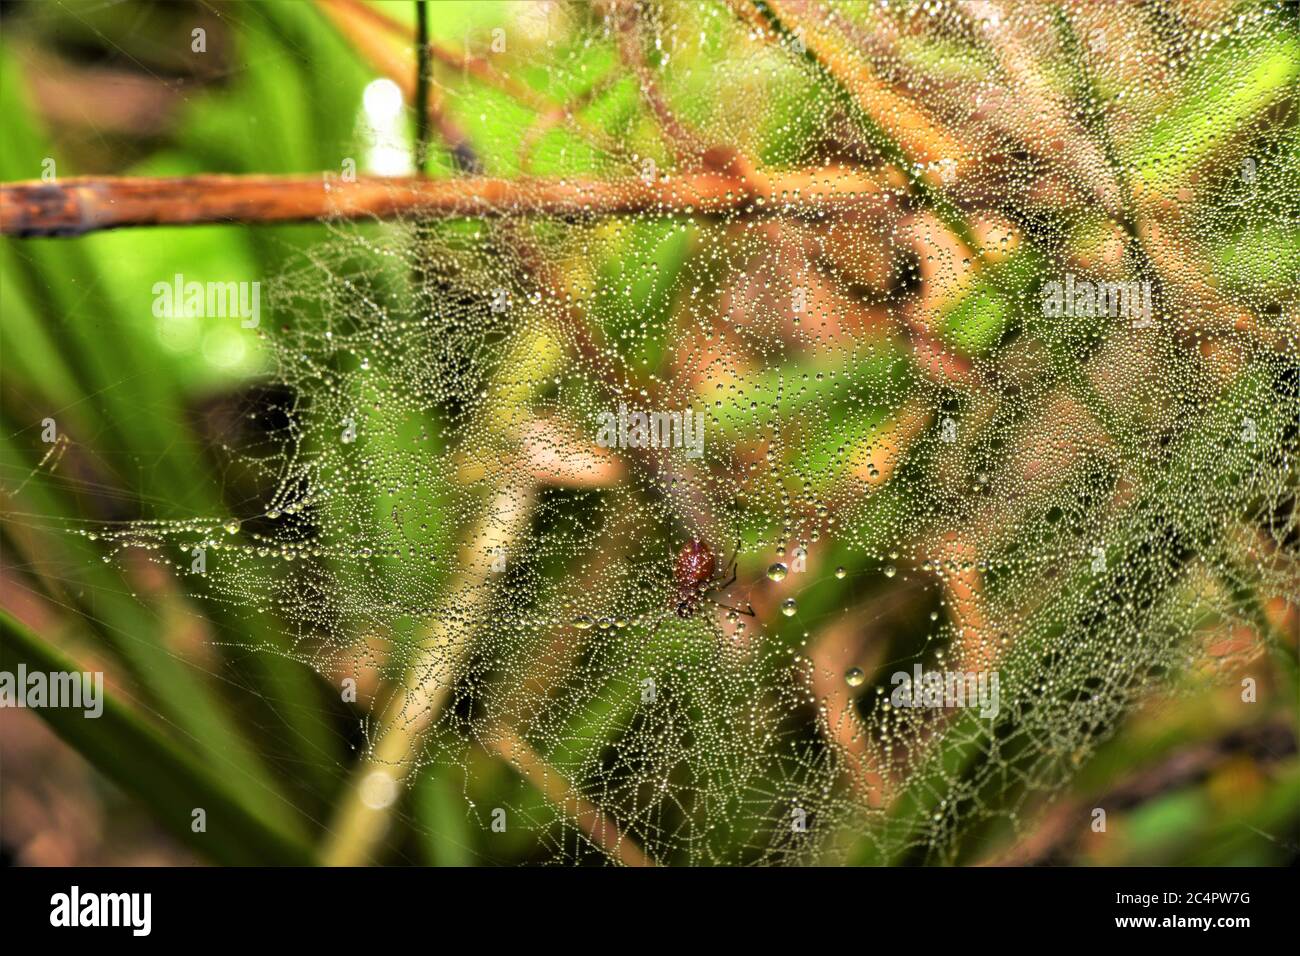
(1062, 827)
(917, 132)
(597, 824)
(555, 115)
(686, 143)
(363, 26)
(74, 207)
(1039, 115)
(476, 67)
(101, 99)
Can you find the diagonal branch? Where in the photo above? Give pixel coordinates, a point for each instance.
(685, 142)
(599, 825)
(349, 13)
(369, 31)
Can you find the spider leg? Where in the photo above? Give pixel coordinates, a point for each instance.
(730, 571)
(735, 557)
(723, 585)
(748, 611)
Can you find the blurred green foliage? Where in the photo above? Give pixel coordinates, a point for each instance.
(264, 738)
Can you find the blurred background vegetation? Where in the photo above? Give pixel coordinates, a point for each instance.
(213, 704)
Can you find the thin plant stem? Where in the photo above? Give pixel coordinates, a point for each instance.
(423, 78)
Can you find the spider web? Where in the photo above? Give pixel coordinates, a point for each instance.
(920, 465)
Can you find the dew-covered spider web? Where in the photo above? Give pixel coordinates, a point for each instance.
(1001, 383)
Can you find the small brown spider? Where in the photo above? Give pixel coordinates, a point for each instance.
(695, 576)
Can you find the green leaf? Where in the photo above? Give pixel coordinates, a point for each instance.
(171, 782)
